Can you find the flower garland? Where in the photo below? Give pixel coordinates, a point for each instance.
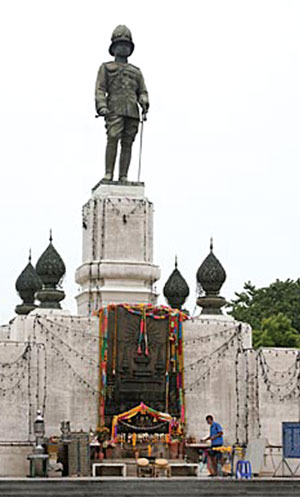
(143, 409)
(174, 360)
(150, 429)
(103, 330)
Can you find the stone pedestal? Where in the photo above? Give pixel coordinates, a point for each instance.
(117, 264)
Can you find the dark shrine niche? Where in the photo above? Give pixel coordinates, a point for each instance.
(138, 377)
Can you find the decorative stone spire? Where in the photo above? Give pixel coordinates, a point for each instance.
(176, 289)
(51, 268)
(211, 276)
(26, 285)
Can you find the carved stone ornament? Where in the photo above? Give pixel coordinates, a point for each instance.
(176, 289)
(27, 284)
(211, 276)
(50, 268)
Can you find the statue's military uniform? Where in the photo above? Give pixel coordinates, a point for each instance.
(120, 89)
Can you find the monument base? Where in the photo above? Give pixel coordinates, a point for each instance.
(117, 183)
(107, 282)
(117, 262)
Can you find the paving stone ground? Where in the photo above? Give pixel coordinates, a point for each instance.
(137, 487)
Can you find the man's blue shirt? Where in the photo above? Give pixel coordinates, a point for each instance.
(214, 429)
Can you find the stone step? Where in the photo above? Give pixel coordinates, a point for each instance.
(148, 488)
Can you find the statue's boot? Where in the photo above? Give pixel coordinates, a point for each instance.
(125, 157)
(110, 158)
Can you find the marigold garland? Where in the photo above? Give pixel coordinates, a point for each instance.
(143, 409)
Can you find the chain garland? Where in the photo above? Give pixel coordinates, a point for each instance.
(221, 352)
(98, 293)
(283, 384)
(257, 395)
(216, 351)
(21, 368)
(71, 329)
(140, 203)
(90, 289)
(103, 229)
(145, 232)
(81, 380)
(18, 372)
(42, 346)
(29, 393)
(247, 397)
(37, 395)
(60, 355)
(276, 372)
(237, 390)
(5, 328)
(115, 343)
(102, 373)
(85, 215)
(16, 361)
(94, 228)
(275, 389)
(208, 338)
(13, 387)
(70, 349)
(11, 375)
(12, 342)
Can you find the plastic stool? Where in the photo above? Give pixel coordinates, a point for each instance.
(243, 470)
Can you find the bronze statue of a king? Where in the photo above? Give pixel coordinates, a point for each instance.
(120, 89)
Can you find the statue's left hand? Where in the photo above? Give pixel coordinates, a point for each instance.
(103, 112)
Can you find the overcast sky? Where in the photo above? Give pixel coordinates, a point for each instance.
(221, 145)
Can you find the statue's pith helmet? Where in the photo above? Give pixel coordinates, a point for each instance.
(120, 33)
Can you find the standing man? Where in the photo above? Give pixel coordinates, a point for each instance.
(120, 87)
(216, 438)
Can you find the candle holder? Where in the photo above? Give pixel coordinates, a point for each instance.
(39, 433)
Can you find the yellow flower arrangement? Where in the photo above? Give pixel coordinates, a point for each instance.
(223, 449)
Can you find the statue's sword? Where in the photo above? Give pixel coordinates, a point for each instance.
(144, 118)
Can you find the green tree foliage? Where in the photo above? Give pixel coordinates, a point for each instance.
(273, 312)
(276, 331)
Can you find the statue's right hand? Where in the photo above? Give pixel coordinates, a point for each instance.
(103, 112)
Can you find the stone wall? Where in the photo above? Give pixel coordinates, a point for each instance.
(53, 359)
(210, 355)
(278, 390)
(248, 399)
(13, 459)
(60, 373)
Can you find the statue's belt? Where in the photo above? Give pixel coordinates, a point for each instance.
(123, 91)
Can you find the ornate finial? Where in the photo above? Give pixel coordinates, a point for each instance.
(29, 258)
(211, 276)
(50, 237)
(211, 245)
(51, 268)
(176, 289)
(27, 284)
